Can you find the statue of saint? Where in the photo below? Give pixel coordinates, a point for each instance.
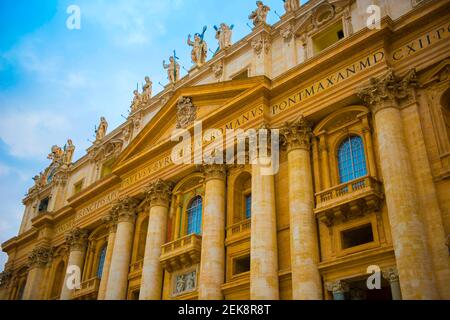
(100, 132)
(56, 154)
(173, 69)
(259, 15)
(223, 35)
(39, 180)
(69, 149)
(137, 100)
(199, 48)
(291, 5)
(147, 90)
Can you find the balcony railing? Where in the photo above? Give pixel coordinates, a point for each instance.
(181, 253)
(88, 290)
(239, 229)
(350, 197)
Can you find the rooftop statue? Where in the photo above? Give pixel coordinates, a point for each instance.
(199, 48)
(223, 35)
(100, 132)
(259, 16)
(69, 150)
(173, 69)
(56, 154)
(147, 90)
(291, 5)
(137, 100)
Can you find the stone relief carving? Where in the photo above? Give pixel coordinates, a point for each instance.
(218, 69)
(260, 44)
(259, 16)
(185, 282)
(287, 32)
(186, 112)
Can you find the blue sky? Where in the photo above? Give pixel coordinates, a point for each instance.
(55, 83)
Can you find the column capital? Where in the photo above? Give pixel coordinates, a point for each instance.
(387, 90)
(337, 286)
(110, 221)
(40, 257)
(5, 278)
(77, 239)
(214, 171)
(124, 208)
(158, 193)
(297, 134)
(390, 274)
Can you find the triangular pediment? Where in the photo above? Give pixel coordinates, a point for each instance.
(208, 100)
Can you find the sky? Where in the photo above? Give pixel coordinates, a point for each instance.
(56, 82)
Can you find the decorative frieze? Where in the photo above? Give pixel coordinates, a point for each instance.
(77, 239)
(297, 134)
(40, 257)
(159, 192)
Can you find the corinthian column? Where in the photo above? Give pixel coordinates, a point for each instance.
(158, 195)
(38, 260)
(263, 244)
(110, 221)
(408, 234)
(5, 280)
(306, 283)
(116, 288)
(76, 240)
(212, 262)
(391, 275)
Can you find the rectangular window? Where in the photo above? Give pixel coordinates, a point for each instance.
(328, 37)
(248, 206)
(77, 187)
(43, 205)
(241, 265)
(357, 236)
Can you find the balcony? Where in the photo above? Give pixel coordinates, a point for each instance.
(136, 269)
(88, 290)
(347, 200)
(238, 231)
(181, 253)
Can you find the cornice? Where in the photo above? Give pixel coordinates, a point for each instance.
(12, 243)
(93, 190)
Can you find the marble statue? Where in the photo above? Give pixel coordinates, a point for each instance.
(223, 35)
(259, 15)
(199, 48)
(39, 180)
(56, 154)
(69, 150)
(147, 89)
(173, 69)
(137, 100)
(291, 5)
(100, 132)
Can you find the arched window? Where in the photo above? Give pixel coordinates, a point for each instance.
(101, 262)
(194, 216)
(351, 159)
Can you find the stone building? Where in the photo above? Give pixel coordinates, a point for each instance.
(362, 188)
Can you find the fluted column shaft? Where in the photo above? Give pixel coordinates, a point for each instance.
(263, 245)
(76, 239)
(306, 282)
(212, 263)
(116, 288)
(411, 252)
(111, 221)
(158, 195)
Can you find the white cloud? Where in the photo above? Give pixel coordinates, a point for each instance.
(27, 133)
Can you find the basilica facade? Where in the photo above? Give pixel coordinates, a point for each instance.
(361, 190)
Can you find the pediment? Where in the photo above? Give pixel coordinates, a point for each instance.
(207, 99)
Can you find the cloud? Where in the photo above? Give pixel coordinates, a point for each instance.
(27, 133)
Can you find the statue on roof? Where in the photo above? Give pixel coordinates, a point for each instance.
(223, 35)
(69, 150)
(147, 89)
(199, 48)
(291, 5)
(137, 100)
(259, 15)
(56, 154)
(173, 68)
(100, 132)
